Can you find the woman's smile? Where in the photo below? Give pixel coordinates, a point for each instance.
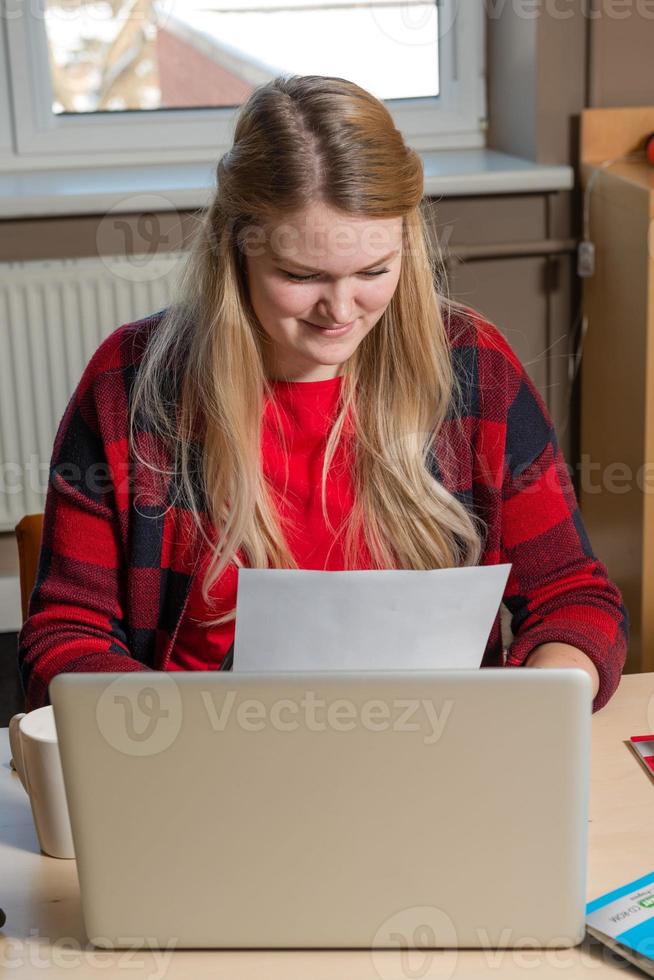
(331, 331)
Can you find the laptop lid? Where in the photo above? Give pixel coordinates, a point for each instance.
(322, 810)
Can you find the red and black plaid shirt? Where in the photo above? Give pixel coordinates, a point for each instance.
(118, 557)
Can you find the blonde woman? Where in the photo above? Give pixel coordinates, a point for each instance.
(311, 399)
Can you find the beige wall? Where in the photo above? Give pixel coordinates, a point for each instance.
(543, 70)
(621, 53)
(8, 557)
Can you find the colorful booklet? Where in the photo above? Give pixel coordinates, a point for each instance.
(643, 748)
(624, 921)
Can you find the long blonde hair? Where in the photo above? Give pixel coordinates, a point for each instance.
(201, 384)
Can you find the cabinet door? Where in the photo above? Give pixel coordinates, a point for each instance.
(529, 300)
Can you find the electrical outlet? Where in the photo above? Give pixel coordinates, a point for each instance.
(586, 260)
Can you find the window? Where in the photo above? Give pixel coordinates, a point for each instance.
(106, 80)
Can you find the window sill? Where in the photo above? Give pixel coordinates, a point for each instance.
(183, 187)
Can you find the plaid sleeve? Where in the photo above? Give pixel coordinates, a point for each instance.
(75, 612)
(557, 590)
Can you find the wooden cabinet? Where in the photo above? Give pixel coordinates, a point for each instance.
(511, 257)
(617, 380)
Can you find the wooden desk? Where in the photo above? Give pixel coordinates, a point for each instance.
(44, 931)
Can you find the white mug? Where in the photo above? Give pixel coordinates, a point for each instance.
(35, 754)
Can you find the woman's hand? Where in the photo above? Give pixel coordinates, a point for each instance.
(563, 655)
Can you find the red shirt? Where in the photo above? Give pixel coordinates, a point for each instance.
(118, 558)
(306, 412)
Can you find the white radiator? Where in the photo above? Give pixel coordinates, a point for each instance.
(53, 316)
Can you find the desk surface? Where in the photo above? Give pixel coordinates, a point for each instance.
(44, 930)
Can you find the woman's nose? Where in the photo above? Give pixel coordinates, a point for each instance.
(337, 303)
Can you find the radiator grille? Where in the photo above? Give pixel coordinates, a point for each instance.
(53, 316)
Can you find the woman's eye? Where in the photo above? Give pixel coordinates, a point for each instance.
(295, 278)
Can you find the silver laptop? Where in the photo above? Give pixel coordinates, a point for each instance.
(319, 810)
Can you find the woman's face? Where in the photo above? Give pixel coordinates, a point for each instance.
(314, 273)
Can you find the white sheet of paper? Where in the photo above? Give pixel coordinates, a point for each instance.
(296, 619)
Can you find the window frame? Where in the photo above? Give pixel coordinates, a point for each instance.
(456, 119)
(6, 128)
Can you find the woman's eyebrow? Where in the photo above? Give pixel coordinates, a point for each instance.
(306, 268)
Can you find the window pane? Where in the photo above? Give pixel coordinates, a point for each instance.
(167, 54)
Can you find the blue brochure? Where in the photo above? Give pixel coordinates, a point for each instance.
(623, 919)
